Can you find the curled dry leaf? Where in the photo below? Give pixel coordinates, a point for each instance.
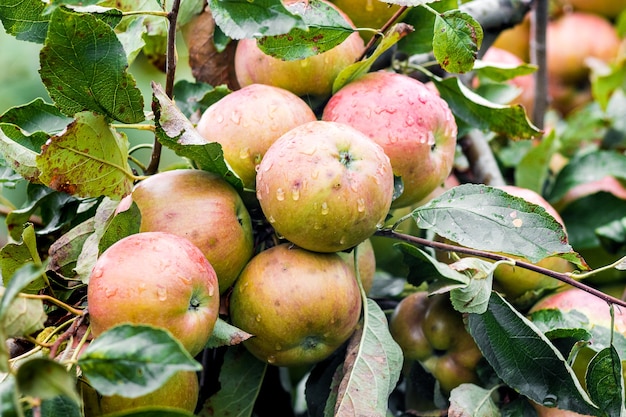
(207, 63)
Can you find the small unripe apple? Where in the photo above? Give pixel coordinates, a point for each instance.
(180, 391)
(574, 37)
(325, 186)
(312, 76)
(247, 121)
(203, 208)
(159, 279)
(413, 125)
(299, 305)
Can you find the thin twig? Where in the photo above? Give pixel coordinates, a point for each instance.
(538, 24)
(383, 29)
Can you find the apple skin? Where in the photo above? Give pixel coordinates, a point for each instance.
(207, 210)
(413, 125)
(574, 37)
(516, 39)
(180, 391)
(607, 8)
(312, 76)
(247, 121)
(325, 186)
(158, 279)
(543, 411)
(366, 260)
(300, 305)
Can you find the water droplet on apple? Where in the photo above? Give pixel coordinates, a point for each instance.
(110, 292)
(315, 173)
(295, 193)
(271, 359)
(97, 273)
(244, 153)
(324, 208)
(360, 205)
(278, 346)
(316, 226)
(219, 118)
(259, 195)
(342, 241)
(369, 6)
(235, 116)
(271, 219)
(280, 194)
(271, 110)
(258, 318)
(185, 279)
(410, 121)
(304, 63)
(211, 290)
(161, 293)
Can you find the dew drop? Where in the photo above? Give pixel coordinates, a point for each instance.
(244, 153)
(235, 116)
(342, 241)
(219, 118)
(271, 110)
(110, 292)
(185, 279)
(369, 6)
(280, 194)
(271, 219)
(304, 63)
(258, 318)
(550, 400)
(295, 194)
(278, 346)
(211, 290)
(271, 359)
(97, 273)
(315, 174)
(410, 121)
(360, 205)
(161, 293)
(324, 208)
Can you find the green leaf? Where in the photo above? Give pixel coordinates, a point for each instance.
(225, 334)
(241, 19)
(88, 159)
(371, 369)
(605, 382)
(474, 297)
(195, 98)
(122, 224)
(555, 323)
(588, 167)
(20, 158)
(487, 218)
(20, 280)
(326, 28)
(134, 360)
(470, 108)
(500, 72)
(356, 70)
(457, 37)
(84, 67)
(240, 379)
(45, 378)
(534, 168)
(525, 359)
(60, 406)
(24, 317)
(24, 19)
(604, 85)
(424, 268)
(423, 20)
(472, 400)
(176, 132)
(36, 116)
(64, 252)
(15, 255)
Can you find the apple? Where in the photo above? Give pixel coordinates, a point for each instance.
(543, 411)
(366, 262)
(372, 14)
(247, 121)
(325, 186)
(516, 39)
(180, 391)
(158, 279)
(299, 305)
(203, 208)
(607, 184)
(312, 76)
(607, 8)
(413, 125)
(574, 37)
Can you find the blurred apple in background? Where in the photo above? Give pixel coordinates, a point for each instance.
(367, 14)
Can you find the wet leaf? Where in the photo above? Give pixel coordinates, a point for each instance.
(457, 36)
(605, 382)
(121, 225)
(487, 218)
(241, 376)
(45, 378)
(474, 297)
(533, 170)
(36, 116)
(14, 255)
(469, 400)
(134, 360)
(326, 28)
(246, 19)
(18, 157)
(88, 159)
(371, 369)
(25, 19)
(84, 67)
(524, 358)
(225, 334)
(24, 317)
(64, 252)
(423, 20)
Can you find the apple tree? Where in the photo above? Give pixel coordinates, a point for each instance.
(377, 203)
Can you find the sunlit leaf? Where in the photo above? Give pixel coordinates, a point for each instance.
(84, 67)
(371, 368)
(326, 28)
(121, 225)
(88, 159)
(246, 19)
(241, 376)
(457, 36)
(24, 19)
(524, 358)
(474, 110)
(134, 360)
(225, 334)
(45, 378)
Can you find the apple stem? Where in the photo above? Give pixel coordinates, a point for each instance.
(563, 277)
(382, 31)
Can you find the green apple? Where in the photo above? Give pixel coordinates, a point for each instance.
(413, 125)
(180, 391)
(247, 121)
(366, 262)
(607, 8)
(325, 186)
(312, 76)
(300, 306)
(203, 208)
(367, 14)
(159, 279)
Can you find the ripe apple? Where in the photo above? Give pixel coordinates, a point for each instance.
(413, 125)
(206, 210)
(247, 121)
(574, 37)
(371, 14)
(299, 305)
(159, 279)
(312, 76)
(607, 8)
(366, 260)
(543, 411)
(325, 186)
(607, 184)
(516, 39)
(180, 391)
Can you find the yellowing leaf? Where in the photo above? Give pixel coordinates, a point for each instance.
(88, 159)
